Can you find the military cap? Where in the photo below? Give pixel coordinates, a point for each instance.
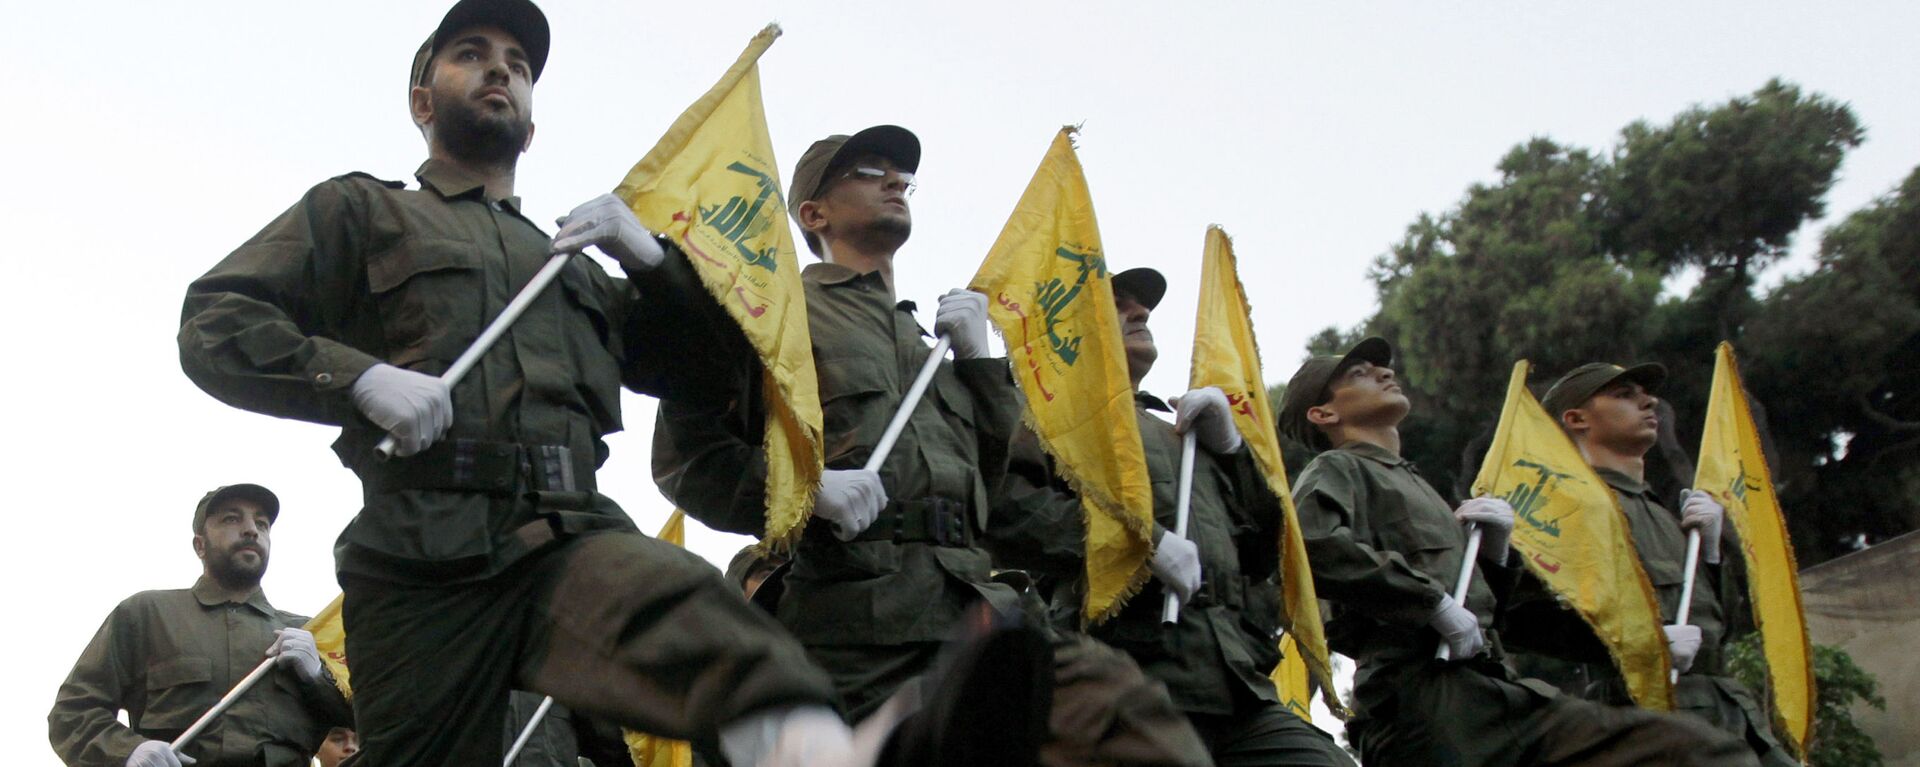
(1147, 286)
(269, 502)
(520, 18)
(1581, 383)
(753, 560)
(810, 173)
(1308, 388)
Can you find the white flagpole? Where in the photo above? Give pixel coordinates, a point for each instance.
(1183, 509)
(1466, 579)
(526, 733)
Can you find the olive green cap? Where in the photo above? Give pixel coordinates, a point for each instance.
(269, 502)
(1581, 383)
(810, 173)
(520, 18)
(1308, 388)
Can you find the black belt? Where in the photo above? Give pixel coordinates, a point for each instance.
(472, 465)
(1229, 592)
(939, 521)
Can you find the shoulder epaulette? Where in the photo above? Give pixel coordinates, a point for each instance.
(374, 179)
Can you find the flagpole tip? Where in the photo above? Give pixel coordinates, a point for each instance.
(772, 29)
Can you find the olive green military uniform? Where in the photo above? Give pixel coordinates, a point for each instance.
(1215, 661)
(1538, 622)
(165, 657)
(874, 611)
(1385, 548)
(487, 561)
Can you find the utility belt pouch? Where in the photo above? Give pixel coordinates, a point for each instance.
(938, 521)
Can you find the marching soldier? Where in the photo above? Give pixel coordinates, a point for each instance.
(165, 657)
(1386, 549)
(1216, 659)
(1609, 411)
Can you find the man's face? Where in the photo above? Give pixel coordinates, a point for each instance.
(340, 744)
(478, 99)
(1135, 338)
(865, 199)
(235, 542)
(1362, 394)
(1620, 416)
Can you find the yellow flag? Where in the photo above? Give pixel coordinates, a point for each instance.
(648, 750)
(1734, 469)
(1049, 291)
(1570, 530)
(1226, 356)
(711, 185)
(1290, 678)
(329, 632)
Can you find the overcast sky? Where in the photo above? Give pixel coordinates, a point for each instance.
(146, 140)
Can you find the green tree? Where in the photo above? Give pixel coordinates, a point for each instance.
(1839, 683)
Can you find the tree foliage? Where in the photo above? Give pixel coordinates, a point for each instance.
(1837, 741)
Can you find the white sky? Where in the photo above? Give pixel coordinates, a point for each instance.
(148, 139)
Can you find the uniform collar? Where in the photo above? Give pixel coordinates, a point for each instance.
(1149, 402)
(1620, 482)
(451, 182)
(1373, 452)
(207, 594)
(823, 273)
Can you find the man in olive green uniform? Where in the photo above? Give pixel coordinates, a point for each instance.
(1609, 411)
(483, 560)
(165, 657)
(1386, 551)
(892, 559)
(1216, 659)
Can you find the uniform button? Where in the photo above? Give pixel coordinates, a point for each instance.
(323, 379)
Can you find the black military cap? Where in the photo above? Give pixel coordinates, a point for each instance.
(810, 173)
(520, 18)
(1308, 388)
(269, 502)
(1147, 286)
(1581, 383)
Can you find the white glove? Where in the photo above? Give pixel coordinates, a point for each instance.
(1458, 627)
(606, 221)
(962, 318)
(1495, 518)
(1176, 562)
(1206, 412)
(1683, 644)
(851, 499)
(153, 753)
(293, 648)
(1701, 512)
(413, 407)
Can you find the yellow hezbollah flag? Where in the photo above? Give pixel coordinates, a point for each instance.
(1226, 356)
(648, 750)
(1050, 293)
(1574, 537)
(711, 185)
(1290, 678)
(329, 632)
(1733, 469)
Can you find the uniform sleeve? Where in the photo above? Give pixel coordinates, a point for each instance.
(83, 725)
(258, 331)
(996, 407)
(1255, 505)
(1347, 570)
(1035, 520)
(1535, 621)
(709, 457)
(676, 339)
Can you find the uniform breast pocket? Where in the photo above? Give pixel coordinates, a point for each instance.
(593, 340)
(178, 690)
(427, 293)
(852, 390)
(955, 403)
(1427, 543)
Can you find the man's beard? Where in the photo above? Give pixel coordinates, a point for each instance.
(887, 233)
(478, 137)
(229, 571)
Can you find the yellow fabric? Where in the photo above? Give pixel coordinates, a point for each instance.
(1733, 468)
(1050, 293)
(329, 632)
(1226, 356)
(711, 185)
(648, 750)
(1573, 536)
(1290, 678)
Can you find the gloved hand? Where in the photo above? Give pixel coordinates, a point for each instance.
(1683, 644)
(294, 649)
(153, 753)
(851, 499)
(962, 318)
(1176, 562)
(1701, 512)
(1206, 412)
(1495, 518)
(413, 407)
(606, 221)
(1458, 627)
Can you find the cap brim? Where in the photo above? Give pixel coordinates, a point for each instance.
(1147, 286)
(520, 18)
(1372, 349)
(1650, 375)
(890, 141)
(269, 502)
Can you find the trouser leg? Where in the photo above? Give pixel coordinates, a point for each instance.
(865, 675)
(647, 635)
(1578, 732)
(1729, 706)
(1107, 712)
(1268, 734)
